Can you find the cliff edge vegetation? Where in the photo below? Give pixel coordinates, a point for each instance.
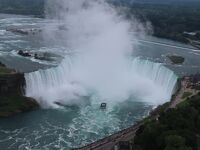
(12, 100)
(175, 128)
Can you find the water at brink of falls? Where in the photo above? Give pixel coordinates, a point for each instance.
(151, 82)
(101, 63)
(99, 66)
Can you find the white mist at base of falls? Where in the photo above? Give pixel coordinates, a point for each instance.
(102, 65)
(148, 81)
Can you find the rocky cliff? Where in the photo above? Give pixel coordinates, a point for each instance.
(12, 100)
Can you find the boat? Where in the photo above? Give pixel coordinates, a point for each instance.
(103, 105)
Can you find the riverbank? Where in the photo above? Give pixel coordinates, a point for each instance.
(187, 90)
(184, 85)
(176, 127)
(12, 100)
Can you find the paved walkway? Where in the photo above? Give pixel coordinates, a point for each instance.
(108, 143)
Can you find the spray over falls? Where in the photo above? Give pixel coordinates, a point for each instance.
(101, 66)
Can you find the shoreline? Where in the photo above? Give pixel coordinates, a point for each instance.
(12, 99)
(128, 134)
(187, 41)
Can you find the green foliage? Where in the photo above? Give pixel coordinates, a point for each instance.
(170, 21)
(176, 59)
(184, 104)
(186, 94)
(176, 142)
(4, 70)
(175, 129)
(15, 103)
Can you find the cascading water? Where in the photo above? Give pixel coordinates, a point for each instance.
(144, 79)
(156, 72)
(101, 62)
(101, 67)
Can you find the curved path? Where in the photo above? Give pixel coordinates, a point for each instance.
(108, 143)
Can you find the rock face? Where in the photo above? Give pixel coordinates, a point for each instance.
(12, 100)
(24, 54)
(2, 65)
(176, 59)
(11, 83)
(26, 31)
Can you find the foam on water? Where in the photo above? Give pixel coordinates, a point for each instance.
(142, 78)
(47, 133)
(102, 64)
(2, 32)
(101, 68)
(1, 46)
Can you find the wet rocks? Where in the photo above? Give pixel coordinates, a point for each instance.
(176, 59)
(12, 100)
(2, 65)
(24, 53)
(39, 56)
(42, 57)
(25, 31)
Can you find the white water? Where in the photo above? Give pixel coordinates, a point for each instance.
(2, 32)
(102, 65)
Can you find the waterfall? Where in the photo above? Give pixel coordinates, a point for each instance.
(156, 72)
(101, 65)
(150, 81)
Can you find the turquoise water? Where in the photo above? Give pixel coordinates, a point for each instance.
(68, 127)
(75, 125)
(149, 48)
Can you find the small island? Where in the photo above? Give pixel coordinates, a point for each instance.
(12, 100)
(176, 59)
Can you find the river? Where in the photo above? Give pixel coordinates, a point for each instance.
(72, 125)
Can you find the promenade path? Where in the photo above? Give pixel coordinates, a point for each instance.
(108, 143)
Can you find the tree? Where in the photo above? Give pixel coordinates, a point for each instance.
(176, 142)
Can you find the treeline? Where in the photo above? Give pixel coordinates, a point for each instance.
(129, 2)
(175, 129)
(169, 18)
(170, 21)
